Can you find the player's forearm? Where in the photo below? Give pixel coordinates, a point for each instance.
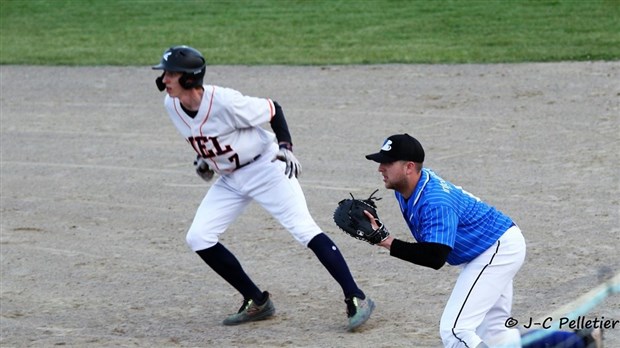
(280, 127)
(431, 255)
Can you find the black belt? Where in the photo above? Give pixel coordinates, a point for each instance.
(252, 160)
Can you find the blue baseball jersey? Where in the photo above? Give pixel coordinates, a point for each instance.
(440, 212)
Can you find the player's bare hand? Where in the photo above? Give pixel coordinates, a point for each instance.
(293, 167)
(203, 170)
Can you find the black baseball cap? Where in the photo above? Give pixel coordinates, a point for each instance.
(399, 147)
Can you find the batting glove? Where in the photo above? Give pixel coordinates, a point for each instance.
(293, 167)
(203, 170)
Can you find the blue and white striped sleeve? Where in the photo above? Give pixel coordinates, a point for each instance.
(438, 225)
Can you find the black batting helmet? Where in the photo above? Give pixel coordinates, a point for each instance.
(183, 59)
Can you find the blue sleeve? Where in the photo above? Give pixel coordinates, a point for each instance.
(438, 225)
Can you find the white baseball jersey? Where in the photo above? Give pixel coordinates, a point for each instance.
(233, 137)
(226, 132)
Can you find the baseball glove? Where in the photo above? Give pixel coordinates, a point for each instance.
(350, 217)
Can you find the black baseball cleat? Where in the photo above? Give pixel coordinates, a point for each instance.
(358, 311)
(250, 311)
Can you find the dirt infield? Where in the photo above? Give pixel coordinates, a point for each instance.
(98, 190)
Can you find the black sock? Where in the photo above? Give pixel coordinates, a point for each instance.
(332, 260)
(224, 263)
(261, 301)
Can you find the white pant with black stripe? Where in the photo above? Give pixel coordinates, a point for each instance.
(481, 300)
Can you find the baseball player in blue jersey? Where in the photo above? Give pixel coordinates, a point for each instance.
(224, 128)
(453, 226)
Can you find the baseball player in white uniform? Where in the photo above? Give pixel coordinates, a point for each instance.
(453, 226)
(224, 129)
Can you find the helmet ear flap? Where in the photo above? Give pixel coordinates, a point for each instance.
(160, 82)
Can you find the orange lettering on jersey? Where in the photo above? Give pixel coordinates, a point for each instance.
(218, 148)
(200, 146)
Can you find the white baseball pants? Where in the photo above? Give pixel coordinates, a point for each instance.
(481, 300)
(262, 181)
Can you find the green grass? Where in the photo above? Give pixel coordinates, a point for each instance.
(309, 32)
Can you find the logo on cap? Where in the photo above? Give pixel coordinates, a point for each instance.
(166, 55)
(387, 146)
